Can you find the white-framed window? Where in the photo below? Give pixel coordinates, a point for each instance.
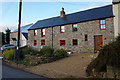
(62, 29)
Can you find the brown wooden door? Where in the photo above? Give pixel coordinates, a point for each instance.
(98, 41)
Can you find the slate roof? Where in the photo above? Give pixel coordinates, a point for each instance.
(82, 16)
(23, 28)
(25, 35)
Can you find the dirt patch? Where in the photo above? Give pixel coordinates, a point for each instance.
(73, 66)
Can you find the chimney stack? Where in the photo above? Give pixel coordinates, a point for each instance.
(116, 12)
(115, 1)
(62, 13)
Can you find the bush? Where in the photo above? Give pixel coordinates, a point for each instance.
(108, 55)
(60, 53)
(29, 51)
(118, 39)
(47, 55)
(33, 51)
(27, 62)
(47, 51)
(8, 54)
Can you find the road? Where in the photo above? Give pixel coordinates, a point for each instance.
(10, 72)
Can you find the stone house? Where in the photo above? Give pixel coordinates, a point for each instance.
(23, 36)
(84, 31)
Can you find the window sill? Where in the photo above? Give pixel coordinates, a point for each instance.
(103, 29)
(74, 31)
(62, 45)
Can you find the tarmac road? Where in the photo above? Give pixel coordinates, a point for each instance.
(14, 73)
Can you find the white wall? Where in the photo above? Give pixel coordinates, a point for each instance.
(116, 12)
(23, 40)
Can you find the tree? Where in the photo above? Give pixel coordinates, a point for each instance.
(3, 38)
(7, 35)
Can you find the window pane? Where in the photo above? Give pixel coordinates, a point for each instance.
(75, 42)
(35, 32)
(35, 42)
(100, 21)
(98, 40)
(102, 26)
(62, 42)
(42, 42)
(62, 29)
(74, 27)
(103, 21)
(43, 31)
(86, 37)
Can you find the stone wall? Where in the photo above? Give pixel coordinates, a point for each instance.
(112, 72)
(90, 27)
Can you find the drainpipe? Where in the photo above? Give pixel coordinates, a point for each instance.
(52, 37)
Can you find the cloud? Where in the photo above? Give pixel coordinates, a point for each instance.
(12, 27)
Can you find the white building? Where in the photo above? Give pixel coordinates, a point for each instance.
(23, 35)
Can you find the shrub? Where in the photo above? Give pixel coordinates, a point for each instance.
(47, 51)
(60, 53)
(22, 55)
(27, 62)
(29, 51)
(32, 51)
(108, 55)
(47, 55)
(8, 54)
(118, 39)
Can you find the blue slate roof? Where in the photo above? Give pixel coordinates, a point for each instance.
(82, 16)
(25, 35)
(22, 28)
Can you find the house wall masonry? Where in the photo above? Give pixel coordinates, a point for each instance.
(90, 27)
(13, 35)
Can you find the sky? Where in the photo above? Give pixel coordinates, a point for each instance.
(32, 11)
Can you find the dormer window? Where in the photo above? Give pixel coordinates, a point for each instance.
(103, 24)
